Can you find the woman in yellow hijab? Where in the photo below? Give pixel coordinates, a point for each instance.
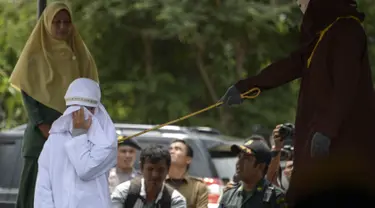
(54, 56)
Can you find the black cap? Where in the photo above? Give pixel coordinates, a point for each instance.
(258, 148)
(130, 142)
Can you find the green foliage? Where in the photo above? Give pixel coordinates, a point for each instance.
(171, 58)
(162, 59)
(16, 23)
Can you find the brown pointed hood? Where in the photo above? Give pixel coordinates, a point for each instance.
(321, 13)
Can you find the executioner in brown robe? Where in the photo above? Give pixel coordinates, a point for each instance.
(334, 138)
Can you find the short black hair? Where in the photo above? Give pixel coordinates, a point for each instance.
(189, 150)
(155, 154)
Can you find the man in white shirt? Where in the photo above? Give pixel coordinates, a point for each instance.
(149, 191)
(81, 149)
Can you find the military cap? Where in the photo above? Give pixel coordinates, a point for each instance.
(130, 142)
(257, 148)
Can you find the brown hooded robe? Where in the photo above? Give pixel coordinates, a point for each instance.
(336, 98)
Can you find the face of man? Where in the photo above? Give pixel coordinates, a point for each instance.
(154, 174)
(179, 152)
(126, 156)
(302, 4)
(246, 168)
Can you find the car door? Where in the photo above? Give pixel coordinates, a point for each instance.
(11, 163)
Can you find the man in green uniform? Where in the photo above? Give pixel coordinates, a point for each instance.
(124, 170)
(254, 190)
(37, 131)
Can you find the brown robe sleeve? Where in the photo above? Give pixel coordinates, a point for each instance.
(348, 51)
(276, 74)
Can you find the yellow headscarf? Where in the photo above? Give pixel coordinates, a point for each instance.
(47, 66)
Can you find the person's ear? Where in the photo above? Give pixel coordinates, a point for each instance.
(188, 160)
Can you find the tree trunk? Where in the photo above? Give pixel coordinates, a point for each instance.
(218, 3)
(148, 58)
(204, 74)
(240, 58)
(224, 117)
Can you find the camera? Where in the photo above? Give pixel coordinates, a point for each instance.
(287, 153)
(286, 131)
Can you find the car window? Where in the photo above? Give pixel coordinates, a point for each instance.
(201, 165)
(225, 166)
(224, 161)
(209, 143)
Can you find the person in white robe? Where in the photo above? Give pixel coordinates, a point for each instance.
(74, 165)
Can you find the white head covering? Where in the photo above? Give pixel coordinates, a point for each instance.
(84, 92)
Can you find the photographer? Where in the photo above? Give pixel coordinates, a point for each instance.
(282, 150)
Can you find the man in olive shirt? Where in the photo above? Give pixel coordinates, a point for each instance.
(254, 190)
(193, 189)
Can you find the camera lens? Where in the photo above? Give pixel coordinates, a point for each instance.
(286, 130)
(284, 155)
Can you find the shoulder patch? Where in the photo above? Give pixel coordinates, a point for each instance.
(226, 189)
(230, 186)
(196, 179)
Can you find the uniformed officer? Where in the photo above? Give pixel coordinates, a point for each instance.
(254, 190)
(124, 170)
(193, 189)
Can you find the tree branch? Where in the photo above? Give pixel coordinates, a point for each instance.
(224, 117)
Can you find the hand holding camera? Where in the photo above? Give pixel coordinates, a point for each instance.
(282, 136)
(278, 140)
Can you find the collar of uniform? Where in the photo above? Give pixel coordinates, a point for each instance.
(185, 178)
(259, 187)
(133, 173)
(143, 191)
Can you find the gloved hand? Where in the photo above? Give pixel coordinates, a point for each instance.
(231, 97)
(320, 145)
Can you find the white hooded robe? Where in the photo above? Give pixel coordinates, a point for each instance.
(73, 171)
